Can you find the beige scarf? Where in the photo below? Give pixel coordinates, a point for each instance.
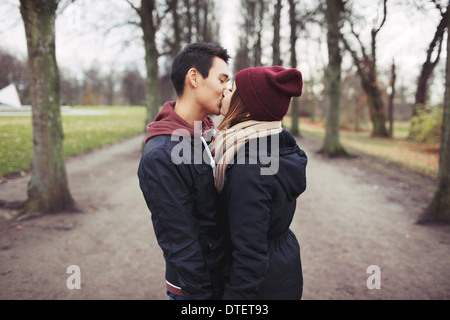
(227, 142)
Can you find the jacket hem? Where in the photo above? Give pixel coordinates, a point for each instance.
(174, 289)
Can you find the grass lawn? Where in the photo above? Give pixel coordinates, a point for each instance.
(86, 132)
(81, 133)
(419, 157)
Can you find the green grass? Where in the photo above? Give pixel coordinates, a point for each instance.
(418, 157)
(81, 134)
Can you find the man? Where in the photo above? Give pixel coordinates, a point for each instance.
(177, 180)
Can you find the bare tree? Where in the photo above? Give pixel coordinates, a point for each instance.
(13, 70)
(150, 24)
(297, 20)
(276, 55)
(177, 27)
(244, 54)
(133, 87)
(150, 20)
(332, 145)
(200, 22)
(47, 189)
(391, 100)
(186, 22)
(366, 65)
(71, 89)
(428, 66)
(208, 25)
(93, 86)
(439, 209)
(293, 41)
(259, 26)
(249, 51)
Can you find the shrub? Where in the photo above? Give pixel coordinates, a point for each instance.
(426, 126)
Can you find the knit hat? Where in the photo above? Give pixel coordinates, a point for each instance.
(267, 91)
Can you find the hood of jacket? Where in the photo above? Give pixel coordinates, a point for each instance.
(168, 122)
(292, 170)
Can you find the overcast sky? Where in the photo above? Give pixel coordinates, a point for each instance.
(404, 37)
(78, 48)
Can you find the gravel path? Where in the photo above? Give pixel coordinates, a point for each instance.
(352, 216)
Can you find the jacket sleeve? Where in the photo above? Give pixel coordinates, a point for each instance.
(166, 189)
(249, 215)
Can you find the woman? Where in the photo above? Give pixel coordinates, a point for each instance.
(258, 198)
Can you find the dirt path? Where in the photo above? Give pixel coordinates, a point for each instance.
(349, 218)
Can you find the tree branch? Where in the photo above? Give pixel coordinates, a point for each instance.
(62, 6)
(356, 59)
(119, 25)
(138, 10)
(384, 18)
(160, 18)
(438, 36)
(438, 6)
(363, 50)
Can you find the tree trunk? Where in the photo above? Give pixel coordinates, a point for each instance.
(176, 28)
(377, 112)
(391, 100)
(197, 9)
(332, 146)
(374, 97)
(47, 189)
(149, 28)
(426, 72)
(439, 209)
(259, 26)
(293, 40)
(243, 57)
(429, 65)
(367, 70)
(276, 34)
(249, 51)
(189, 25)
(206, 27)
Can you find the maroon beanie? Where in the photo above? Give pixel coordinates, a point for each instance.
(267, 91)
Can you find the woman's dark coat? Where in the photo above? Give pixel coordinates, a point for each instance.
(263, 253)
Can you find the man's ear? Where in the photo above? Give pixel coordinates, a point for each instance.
(192, 77)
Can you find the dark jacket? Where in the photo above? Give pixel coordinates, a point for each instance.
(178, 186)
(263, 253)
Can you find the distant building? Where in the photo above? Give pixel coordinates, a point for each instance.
(9, 97)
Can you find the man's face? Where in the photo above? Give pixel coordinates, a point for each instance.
(211, 90)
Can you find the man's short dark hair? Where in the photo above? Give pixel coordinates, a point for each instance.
(197, 55)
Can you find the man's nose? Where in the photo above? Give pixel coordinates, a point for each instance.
(226, 92)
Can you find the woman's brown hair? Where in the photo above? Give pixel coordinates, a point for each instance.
(237, 113)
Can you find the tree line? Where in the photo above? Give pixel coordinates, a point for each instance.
(92, 87)
(344, 36)
(168, 25)
(179, 21)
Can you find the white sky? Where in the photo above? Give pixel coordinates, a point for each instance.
(404, 37)
(78, 48)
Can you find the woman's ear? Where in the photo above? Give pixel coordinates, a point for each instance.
(192, 76)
